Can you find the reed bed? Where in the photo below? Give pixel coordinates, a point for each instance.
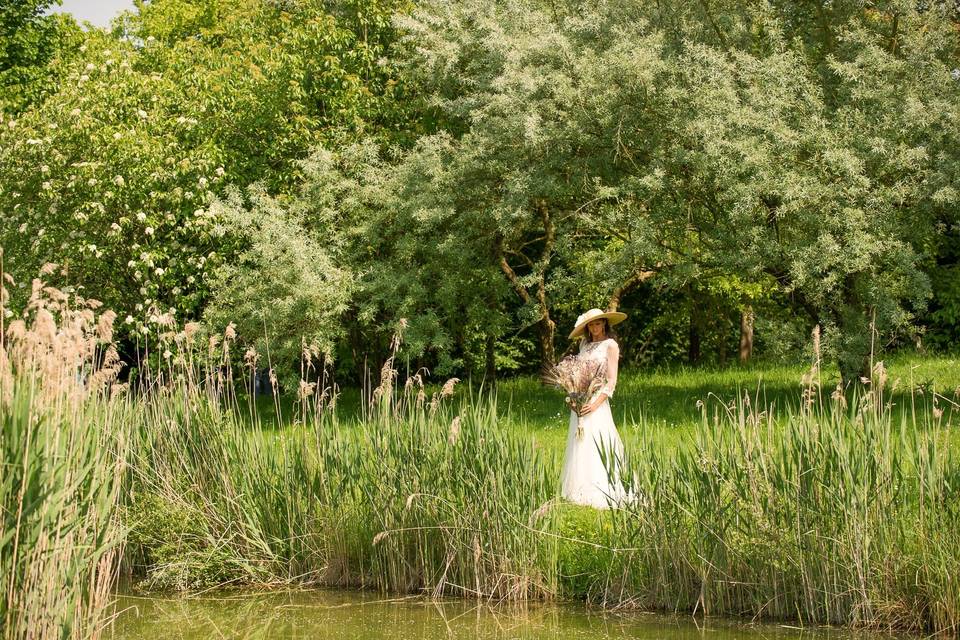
(62, 452)
(826, 514)
(839, 510)
(829, 512)
(422, 494)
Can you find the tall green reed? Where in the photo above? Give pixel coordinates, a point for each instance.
(826, 513)
(420, 495)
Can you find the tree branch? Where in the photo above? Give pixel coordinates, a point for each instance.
(636, 278)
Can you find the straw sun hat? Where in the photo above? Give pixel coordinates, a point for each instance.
(613, 317)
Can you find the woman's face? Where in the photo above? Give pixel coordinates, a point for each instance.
(595, 327)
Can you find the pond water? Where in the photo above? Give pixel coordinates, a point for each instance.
(362, 616)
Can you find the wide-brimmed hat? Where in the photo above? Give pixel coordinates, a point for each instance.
(613, 317)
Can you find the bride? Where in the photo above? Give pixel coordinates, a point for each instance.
(584, 479)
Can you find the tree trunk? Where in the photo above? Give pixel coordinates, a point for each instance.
(546, 327)
(695, 330)
(490, 374)
(693, 348)
(547, 330)
(356, 344)
(461, 341)
(856, 325)
(746, 334)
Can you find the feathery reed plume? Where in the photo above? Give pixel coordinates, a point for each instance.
(190, 330)
(251, 358)
(454, 435)
(109, 369)
(105, 326)
(387, 375)
(212, 345)
(409, 502)
(810, 381)
(63, 445)
(838, 398)
(445, 392)
(305, 390)
(383, 394)
(416, 381)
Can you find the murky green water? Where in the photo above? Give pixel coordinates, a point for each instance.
(337, 614)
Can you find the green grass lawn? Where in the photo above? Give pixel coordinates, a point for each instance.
(664, 400)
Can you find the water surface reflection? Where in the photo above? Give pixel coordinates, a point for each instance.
(360, 616)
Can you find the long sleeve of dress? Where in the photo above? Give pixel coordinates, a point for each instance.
(613, 360)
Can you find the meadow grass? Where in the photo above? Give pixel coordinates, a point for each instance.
(663, 400)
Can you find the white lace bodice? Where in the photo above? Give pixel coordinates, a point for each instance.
(604, 351)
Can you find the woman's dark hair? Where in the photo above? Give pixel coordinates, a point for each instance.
(607, 331)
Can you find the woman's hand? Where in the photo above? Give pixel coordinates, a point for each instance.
(590, 407)
(582, 411)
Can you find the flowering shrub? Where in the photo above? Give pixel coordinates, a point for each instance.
(112, 175)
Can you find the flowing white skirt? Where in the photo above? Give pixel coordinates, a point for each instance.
(584, 479)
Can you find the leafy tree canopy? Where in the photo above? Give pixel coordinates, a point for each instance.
(595, 143)
(31, 44)
(113, 174)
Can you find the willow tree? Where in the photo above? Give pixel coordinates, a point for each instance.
(696, 149)
(530, 101)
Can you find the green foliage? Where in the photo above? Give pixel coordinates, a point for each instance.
(113, 174)
(33, 48)
(169, 548)
(397, 241)
(581, 148)
(584, 556)
(487, 170)
(942, 324)
(285, 291)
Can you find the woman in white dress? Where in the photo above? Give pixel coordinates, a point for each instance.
(584, 479)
